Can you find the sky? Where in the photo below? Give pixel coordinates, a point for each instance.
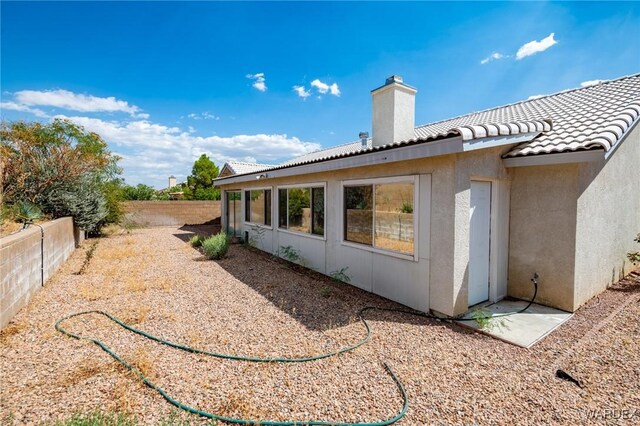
(165, 82)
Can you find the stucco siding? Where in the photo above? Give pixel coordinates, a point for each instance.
(436, 278)
(543, 233)
(608, 218)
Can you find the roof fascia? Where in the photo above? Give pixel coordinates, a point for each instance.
(557, 158)
(421, 150)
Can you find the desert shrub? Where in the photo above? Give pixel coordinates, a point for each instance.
(634, 256)
(58, 166)
(196, 241)
(83, 200)
(216, 247)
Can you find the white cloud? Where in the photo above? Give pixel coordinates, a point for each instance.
(151, 151)
(76, 102)
(320, 86)
(23, 108)
(591, 83)
(323, 87)
(495, 56)
(259, 81)
(300, 90)
(203, 116)
(535, 46)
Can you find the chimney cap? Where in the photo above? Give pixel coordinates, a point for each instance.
(363, 135)
(394, 79)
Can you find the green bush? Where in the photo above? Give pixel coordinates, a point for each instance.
(196, 241)
(216, 247)
(634, 256)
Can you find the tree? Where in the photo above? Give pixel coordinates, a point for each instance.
(59, 166)
(139, 192)
(200, 182)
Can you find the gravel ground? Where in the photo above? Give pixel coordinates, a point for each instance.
(250, 304)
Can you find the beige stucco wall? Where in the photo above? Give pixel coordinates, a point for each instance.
(447, 255)
(608, 218)
(542, 233)
(172, 213)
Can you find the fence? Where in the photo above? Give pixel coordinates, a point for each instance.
(29, 258)
(172, 213)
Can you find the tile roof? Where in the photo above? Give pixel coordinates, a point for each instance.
(241, 168)
(593, 117)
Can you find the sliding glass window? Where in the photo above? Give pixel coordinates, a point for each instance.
(258, 206)
(380, 215)
(301, 209)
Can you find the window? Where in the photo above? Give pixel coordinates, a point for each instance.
(301, 209)
(257, 206)
(380, 215)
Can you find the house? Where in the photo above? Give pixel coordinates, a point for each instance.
(450, 214)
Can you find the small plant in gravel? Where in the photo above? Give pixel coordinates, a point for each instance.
(326, 292)
(216, 247)
(98, 418)
(88, 256)
(634, 256)
(340, 275)
(482, 317)
(256, 236)
(196, 241)
(292, 255)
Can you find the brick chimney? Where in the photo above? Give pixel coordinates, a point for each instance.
(393, 112)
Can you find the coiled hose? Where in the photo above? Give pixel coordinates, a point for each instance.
(193, 410)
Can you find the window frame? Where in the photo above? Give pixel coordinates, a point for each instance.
(310, 185)
(244, 207)
(415, 180)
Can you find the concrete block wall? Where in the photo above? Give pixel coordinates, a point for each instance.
(172, 213)
(21, 261)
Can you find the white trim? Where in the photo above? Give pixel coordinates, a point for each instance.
(555, 158)
(244, 207)
(312, 185)
(494, 141)
(426, 149)
(412, 152)
(415, 180)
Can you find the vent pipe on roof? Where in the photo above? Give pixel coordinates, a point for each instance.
(393, 112)
(364, 137)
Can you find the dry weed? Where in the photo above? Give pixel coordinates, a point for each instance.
(240, 406)
(135, 284)
(96, 291)
(141, 360)
(164, 284)
(11, 330)
(116, 253)
(129, 240)
(135, 315)
(84, 371)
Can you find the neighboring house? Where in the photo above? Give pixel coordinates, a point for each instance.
(451, 214)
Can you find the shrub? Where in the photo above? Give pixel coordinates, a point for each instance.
(216, 247)
(634, 256)
(196, 241)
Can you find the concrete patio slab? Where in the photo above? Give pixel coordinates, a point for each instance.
(521, 329)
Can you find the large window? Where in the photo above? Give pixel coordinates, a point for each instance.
(301, 209)
(380, 215)
(257, 206)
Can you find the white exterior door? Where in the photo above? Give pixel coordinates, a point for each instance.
(479, 241)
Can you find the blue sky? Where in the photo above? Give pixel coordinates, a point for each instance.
(164, 82)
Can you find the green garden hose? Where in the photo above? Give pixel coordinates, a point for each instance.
(202, 413)
(165, 395)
